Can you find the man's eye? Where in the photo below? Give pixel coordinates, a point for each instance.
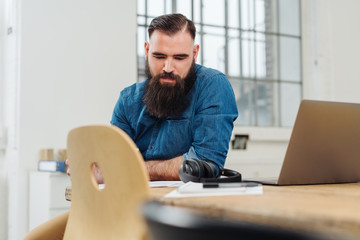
(159, 57)
(179, 58)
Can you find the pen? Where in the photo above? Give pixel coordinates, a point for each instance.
(230, 185)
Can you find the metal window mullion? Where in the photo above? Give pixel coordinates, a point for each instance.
(255, 69)
(146, 18)
(240, 41)
(226, 47)
(201, 32)
(250, 100)
(278, 63)
(192, 10)
(301, 54)
(173, 7)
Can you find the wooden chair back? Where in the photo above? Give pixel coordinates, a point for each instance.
(112, 212)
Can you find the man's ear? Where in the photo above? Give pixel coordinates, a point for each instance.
(146, 47)
(196, 51)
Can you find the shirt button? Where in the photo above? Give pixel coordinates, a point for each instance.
(151, 147)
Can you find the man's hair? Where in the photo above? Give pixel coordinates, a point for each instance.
(171, 24)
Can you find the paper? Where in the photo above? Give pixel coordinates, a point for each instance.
(158, 184)
(192, 189)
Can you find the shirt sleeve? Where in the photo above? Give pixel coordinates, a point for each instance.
(119, 118)
(213, 122)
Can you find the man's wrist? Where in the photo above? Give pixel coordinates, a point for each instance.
(164, 170)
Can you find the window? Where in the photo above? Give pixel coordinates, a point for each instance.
(256, 43)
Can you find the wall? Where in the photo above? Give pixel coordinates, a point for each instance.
(3, 185)
(75, 57)
(330, 50)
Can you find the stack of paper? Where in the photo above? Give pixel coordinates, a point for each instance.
(192, 189)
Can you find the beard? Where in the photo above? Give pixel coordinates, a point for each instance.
(163, 100)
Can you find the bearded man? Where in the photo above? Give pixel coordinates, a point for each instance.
(183, 110)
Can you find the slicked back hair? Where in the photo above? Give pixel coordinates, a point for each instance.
(171, 24)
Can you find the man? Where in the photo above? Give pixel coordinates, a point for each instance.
(181, 111)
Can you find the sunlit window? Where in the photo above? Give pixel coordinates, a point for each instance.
(256, 43)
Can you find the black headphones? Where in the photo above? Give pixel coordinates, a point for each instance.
(201, 171)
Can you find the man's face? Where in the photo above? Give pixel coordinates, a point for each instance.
(170, 54)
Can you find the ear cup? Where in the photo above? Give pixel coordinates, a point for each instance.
(189, 171)
(193, 168)
(209, 170)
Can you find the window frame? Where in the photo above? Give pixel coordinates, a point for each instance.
(277, 82)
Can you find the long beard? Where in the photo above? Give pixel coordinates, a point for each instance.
(163, 100)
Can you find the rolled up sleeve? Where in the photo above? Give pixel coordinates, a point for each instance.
(213, 121)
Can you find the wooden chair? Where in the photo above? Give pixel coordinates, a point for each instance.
(113, 212)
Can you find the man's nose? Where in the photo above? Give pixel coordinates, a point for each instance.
(168, 66)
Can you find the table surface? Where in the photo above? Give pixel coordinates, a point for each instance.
(330, 208)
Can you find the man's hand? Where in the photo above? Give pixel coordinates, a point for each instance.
(67, 165)
(164, 170)
(98, 174)
(96, 170)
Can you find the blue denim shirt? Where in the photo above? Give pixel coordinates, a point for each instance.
(203, 130)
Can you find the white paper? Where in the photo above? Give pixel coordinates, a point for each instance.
(158, 184)
(192, 189)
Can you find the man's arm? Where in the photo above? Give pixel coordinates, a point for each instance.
(164, 170)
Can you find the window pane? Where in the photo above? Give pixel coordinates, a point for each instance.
(290, 101)
(260, 58)
(248, 55)
(141, 20)
(266, 56)
(233, 13)
(197, 10)
(213, 12)
(247, 14)
(245, 100)
(198, 41)
(141, 76)
(290, 59)
(184, 7)
(168, 6)
(155, 7)
(140, 41)
(260, 15)
(266, 103)
(234, 53)
(141, 7)
(289, 17)
(149, 19)
(214, 48)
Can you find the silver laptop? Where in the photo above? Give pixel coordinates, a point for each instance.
(324, 146)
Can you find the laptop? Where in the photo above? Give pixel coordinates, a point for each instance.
(324, 146)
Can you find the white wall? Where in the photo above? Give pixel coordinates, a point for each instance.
(75, 57)
(3, 185)
(331, 49)
(331, 52)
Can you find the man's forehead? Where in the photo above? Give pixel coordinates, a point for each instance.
(182, 36)
(180, 43)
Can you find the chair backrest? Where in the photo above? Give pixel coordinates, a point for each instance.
(113, 212)
(175, 223)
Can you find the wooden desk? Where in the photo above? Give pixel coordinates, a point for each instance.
(331, 208)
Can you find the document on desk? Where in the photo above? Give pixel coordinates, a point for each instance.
(191, 189)
(158, 184)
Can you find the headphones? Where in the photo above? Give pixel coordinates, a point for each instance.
(201, 171)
